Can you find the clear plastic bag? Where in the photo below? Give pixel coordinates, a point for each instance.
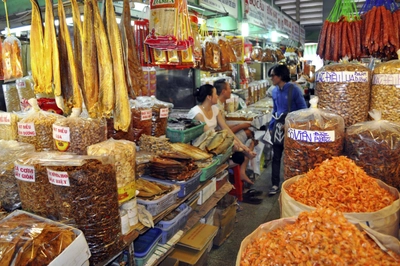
(124, 153)
(35, 190)
(385, 94)
(27, 240)
(11, 97)
(85, 192)
(312, 136)
(345, 90)
(256, 53)
(25, 91)
(8, 126)
(36, 128)
(212, 55)
(12, 60)
(141, 117)
(375, 146)
(75, 133)
(9, 152)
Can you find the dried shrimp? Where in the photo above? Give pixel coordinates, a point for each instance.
(320, 237)
(341, 184)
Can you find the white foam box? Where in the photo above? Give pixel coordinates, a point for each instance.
(207, 191)
(77, 253)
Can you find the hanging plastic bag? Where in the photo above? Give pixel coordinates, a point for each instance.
(8, 126)
(9, 152)
(313, 135)
(12, 60)
(375, 146)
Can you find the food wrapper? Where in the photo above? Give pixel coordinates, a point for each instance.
(141, 117)
(345, 90)
(11, 58)
(268, 55)
(237, 44)
(9, 126)
(27, 240)
(124, 153)
(25, 91)
(227, 53)
(37, 128)
(375, 146)
(320, 225)
(34, 187)
(212, 55)
(11, 97)
(312, 136)
(75, 133)
(9, 152)
(256, 53)
(85, 192)
(385, 94)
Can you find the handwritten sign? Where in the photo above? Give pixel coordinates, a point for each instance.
(26, 129)
(5, 119)
(311, 136)
(342, 76)
(146, 115)
(164, 112)
(58, 178)
(24, 173)
(61, 133)
(386, 79)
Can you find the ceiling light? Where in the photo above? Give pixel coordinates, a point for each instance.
(245, 28)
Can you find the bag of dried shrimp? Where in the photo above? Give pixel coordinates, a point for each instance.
(313, 135)
(341, 184)
(320, 237)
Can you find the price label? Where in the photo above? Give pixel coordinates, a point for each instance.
(342, 76)
(26, 129)
(146, 114)
(24, 173)
(58, 178)
(311, 136)
(386, 79)
(164, 112)
(21, 84)
(5, 119)
(61, 133)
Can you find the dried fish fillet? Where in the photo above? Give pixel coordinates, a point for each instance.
(122, 112)
(36, 47)
(48, 53)
(78, 31)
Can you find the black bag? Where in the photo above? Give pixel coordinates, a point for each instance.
(278, 130)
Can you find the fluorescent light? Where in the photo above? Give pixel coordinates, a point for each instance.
(140, 6)
(200, 21)
(245, 28)
(196, 7)
(17, 30)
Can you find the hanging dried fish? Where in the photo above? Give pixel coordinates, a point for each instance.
(48, 51)
(36, 47)
(90, 89)
(106, 79)
(78, 31)
(70, 85)
(122, 113)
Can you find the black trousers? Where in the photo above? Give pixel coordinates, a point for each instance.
(276, 164)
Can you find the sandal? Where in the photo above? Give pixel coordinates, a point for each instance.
(252, 200)
(252, 193)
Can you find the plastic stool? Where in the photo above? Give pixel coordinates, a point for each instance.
(238, 190)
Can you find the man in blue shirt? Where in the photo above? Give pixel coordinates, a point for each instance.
(280, 77)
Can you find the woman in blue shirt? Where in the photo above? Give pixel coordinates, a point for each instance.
(280, 77)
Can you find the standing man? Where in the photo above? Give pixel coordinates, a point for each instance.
(280, 77)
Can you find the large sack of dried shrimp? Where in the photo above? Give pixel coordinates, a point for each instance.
(341, 184)
(320, 237)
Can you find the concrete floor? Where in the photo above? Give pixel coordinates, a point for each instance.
(247, 220)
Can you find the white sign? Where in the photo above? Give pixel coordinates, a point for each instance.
(311, 136)
(26, 129)
(146, 114)
(386, 79)
(164, 112)
(287, 25)
(271, 15)
(24, 173)
(5, 118)
(295, 31)
(302, 35)
(230, 6)
(257, 10)
(343, 76)
(61, 133)
(58, 178)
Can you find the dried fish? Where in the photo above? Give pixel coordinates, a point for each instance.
(217, 140)
(36, 47)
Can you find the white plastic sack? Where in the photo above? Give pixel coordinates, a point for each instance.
(385, 221)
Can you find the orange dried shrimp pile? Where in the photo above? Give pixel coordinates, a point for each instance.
(341, 184)
(320, 237)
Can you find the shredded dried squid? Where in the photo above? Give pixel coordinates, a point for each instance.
(341, 184)
(320, 237)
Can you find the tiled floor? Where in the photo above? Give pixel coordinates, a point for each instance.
(248, 219)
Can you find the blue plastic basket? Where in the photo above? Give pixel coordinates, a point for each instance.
(145, 242)
(171, 227)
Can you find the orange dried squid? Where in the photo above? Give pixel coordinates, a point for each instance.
(320, 237)
(341, 184)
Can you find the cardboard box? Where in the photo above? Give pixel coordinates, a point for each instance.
(207, 192)
(209, 217)
(77, 253)
(169, 262)
(224, 232)
(224, 216)
(192, 249)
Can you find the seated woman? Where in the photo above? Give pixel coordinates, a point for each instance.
(207, 111)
